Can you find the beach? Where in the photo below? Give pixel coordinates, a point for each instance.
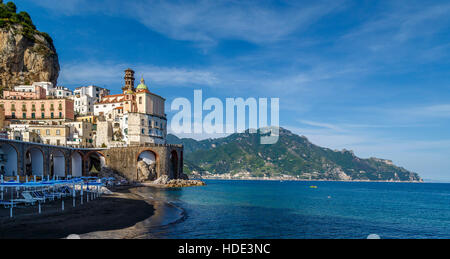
(115, 212)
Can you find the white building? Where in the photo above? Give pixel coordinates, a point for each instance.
(48, 86)
(109, 103)
(83, 104)
(50, 89)
(61, 92)
(93, 91)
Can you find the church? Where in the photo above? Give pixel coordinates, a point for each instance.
(133, 118)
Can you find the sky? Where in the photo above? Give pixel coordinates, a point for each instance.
(367, 76)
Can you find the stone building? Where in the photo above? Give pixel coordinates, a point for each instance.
(81, 134)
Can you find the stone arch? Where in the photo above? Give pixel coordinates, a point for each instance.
(77, 164)
(94, 161)
(34, 161)
(173, 165)
(9, 160)
(150, 158)
(58, 163)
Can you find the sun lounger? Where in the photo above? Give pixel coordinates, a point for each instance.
(40, 195)
(26, 201)
(28, 196)
(53, 194)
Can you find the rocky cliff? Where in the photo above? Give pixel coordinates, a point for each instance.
(26, 55)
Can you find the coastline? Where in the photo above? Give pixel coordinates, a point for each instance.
(305, 180)
(108, 217)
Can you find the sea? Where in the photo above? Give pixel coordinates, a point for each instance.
(305, 210)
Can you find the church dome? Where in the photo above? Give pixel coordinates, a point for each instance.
(142, 85)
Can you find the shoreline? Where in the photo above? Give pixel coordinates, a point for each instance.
(107, 217)
(306, 180)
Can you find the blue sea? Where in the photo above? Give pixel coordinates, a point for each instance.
(273, 209)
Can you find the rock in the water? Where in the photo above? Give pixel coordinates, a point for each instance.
(162, 180)
(26, 57)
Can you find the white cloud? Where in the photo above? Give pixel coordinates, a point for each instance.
(208, 21)
(111, 73)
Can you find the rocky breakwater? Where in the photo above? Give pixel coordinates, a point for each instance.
(165, 182)
(147, 176)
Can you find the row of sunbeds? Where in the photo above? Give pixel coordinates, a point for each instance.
(39, 196)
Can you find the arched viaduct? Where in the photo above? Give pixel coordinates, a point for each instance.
(33, 159)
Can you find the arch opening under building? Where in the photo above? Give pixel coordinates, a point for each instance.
(77, 165)
(95, 162)
(8, 160)
(148, 170)
(58, 162)
(34, 162)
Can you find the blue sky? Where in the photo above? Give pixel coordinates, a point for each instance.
(370, 76)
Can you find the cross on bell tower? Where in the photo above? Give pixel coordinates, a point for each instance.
(129, 80)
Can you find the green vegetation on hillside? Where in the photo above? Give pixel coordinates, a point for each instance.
(9, 16)
(292, 155)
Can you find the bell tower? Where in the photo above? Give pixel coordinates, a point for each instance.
(129, 80)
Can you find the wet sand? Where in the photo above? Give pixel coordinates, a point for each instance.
(119, 211)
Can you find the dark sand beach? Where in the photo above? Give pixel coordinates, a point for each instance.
(120, 210)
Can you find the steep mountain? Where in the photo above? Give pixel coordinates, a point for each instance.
(292, 155)
(26, 54)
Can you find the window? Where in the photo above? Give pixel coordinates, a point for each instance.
(143, 131)
(47, 132)
(38, 132)
(52, 115)
(60, 114)
(33, 115)
(24, 115)
(43, 115)
(58, 132)
(58, 142)
(140, 100)
(13, 115)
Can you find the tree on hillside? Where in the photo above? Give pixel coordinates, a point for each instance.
(11, 7)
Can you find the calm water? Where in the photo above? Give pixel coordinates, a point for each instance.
(259, 209)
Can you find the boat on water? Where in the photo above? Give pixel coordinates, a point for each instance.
(313, 187)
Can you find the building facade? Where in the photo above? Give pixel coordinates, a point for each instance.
(43, 109)
(26, 92)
